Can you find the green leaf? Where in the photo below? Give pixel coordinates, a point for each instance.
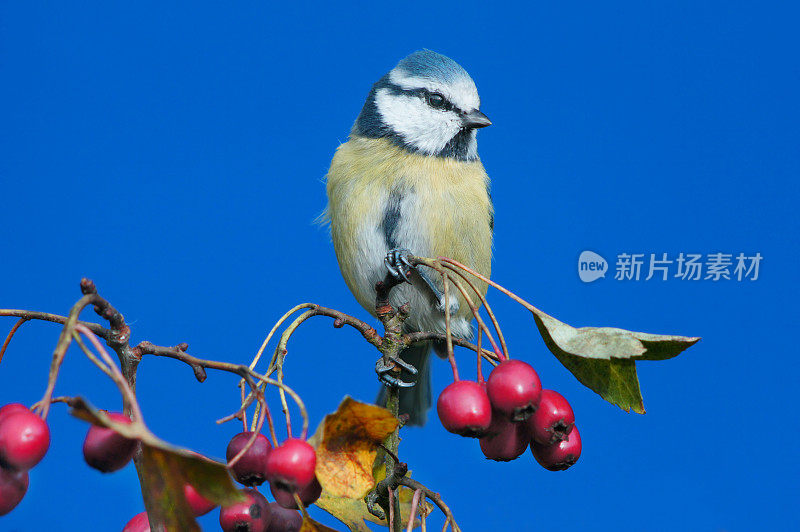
(603, 358)
(162, 489)
(164, 469)
(615, 379)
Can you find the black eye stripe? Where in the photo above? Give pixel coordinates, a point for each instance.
(424, 94)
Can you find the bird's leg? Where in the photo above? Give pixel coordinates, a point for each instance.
(435, 296)
(401, 270)
(390, 365)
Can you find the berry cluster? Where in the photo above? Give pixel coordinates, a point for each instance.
(511, 411)
(289, 469)
(24, 440)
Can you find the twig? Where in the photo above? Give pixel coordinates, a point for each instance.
(484, 302)
(278, 358)
(279, 355)
(69, 401)
(450, 357)
(478, 351)
(60, 351)
(485, 279)
(115, 373)
(270, 424)
(261, 351)
(91, 356)
(391, 508)
(275, 328)
(147, 348)
(476, 313)
(410, 338)
(340, 319)
(96, 328)
(299, 502)
(437, 500)
(244, 412)
(413, 513)
(436, 265)
(10, 336)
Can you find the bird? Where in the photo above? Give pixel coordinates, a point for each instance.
(408, 181)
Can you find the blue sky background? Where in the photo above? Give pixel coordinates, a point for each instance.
(175, 155)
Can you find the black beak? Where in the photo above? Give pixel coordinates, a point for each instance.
(475, 119)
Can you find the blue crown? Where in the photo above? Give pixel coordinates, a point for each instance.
(429, 64)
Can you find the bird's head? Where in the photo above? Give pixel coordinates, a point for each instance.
(427, 104)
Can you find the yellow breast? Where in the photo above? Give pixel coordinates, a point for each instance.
(452, 206)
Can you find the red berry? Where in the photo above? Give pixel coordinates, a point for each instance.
(24, 440)
(560, 455)
(514, 389)
(13, 485)
(106, 450)
(291, 466)
(199, 504)
(464, 409)
(252, 515)
(553, 420)
(284, 520)
(308, 495)
(251, 468)
(505, 440)
(11, 407)
(138, 523)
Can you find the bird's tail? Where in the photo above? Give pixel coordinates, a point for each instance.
(415, 401)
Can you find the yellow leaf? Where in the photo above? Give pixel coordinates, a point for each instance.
(347, 448)
(353, 512)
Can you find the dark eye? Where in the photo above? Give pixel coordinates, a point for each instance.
(435, 100)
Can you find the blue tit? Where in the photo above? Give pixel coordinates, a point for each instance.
(409, 181)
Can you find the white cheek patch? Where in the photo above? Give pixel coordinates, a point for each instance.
(462, 92)
(427, 129)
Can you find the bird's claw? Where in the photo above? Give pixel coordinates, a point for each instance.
(405, 365)
(394, 382)
(384, 368)
(399, 266)
(396, 261)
